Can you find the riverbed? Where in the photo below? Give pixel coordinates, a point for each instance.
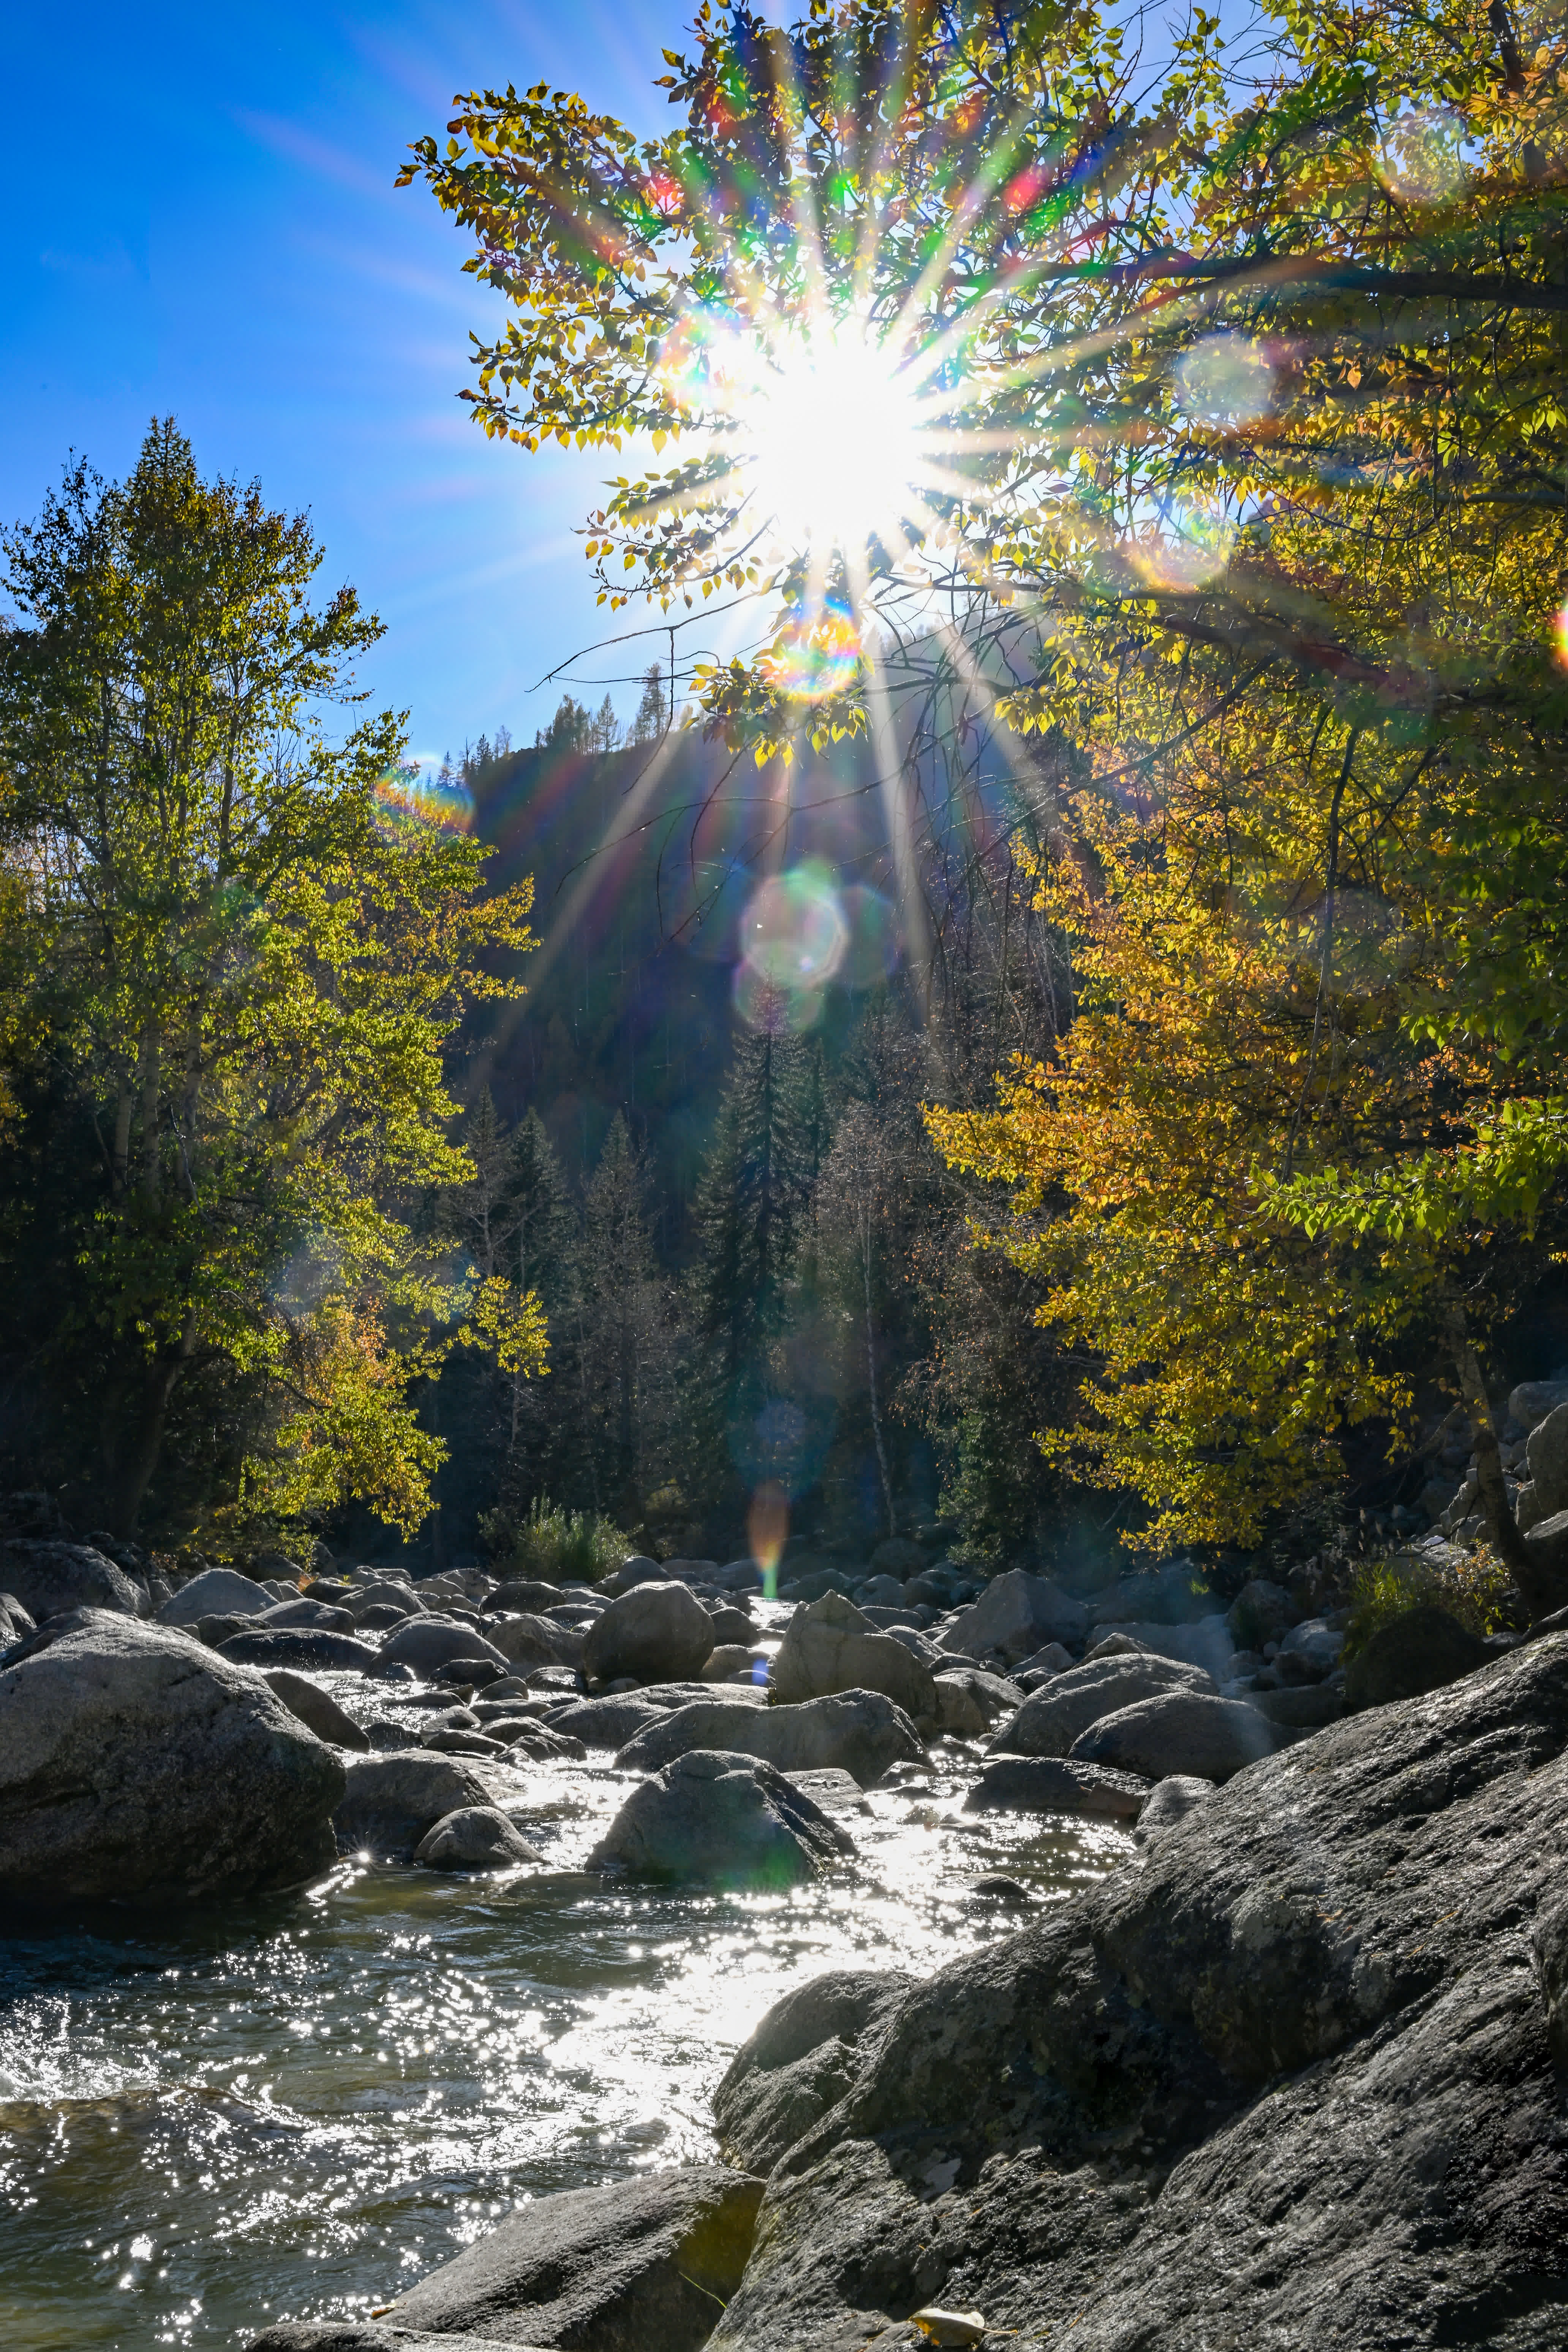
(294, 2108)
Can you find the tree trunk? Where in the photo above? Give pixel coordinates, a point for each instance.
(158, 1388)
(872, 1380)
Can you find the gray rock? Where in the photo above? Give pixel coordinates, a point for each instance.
(534, 1641)
(15, 1623)
(896, 1557)
(835, 1790)
(637, 1570)
(970, 1701)
(135, 1764)
(639, 2266)
(372, 2335)
(1169, 1801)
(1185, 1732)
(1547, 1543)
(216, 1592)
(1014, 1616)
(49, 1578)
(1292, 2082)
(800, 2061)
(301, 1650)
(1052, 1718)
(285, 1615)
(1052, 1784)
(316, 1707)
(528, 1594)
(1530, 1403)
(1204, 1643)
(1261, 1613)
(605, 1722)
(475, 1837)
(830, 1647)
(731, 1624)
(881, 1592)
(427, 1642)
(1420, 1650)
(659, 1632)
(1314, 1649)
(391, 1800)
(861, 1732)
(1307, 1707)
(721, 1820)
(1051, 1659)
(398, 1600)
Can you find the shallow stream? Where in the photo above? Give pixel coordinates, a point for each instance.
(294, 2108)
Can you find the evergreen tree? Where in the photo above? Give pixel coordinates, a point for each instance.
(619, 1317)
(753, 1194)
(648, 724)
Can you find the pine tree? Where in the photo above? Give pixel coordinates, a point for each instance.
(754, 1193)
(648, 724)
(619, 1318)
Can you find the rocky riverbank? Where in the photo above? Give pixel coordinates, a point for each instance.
(1330, 1957)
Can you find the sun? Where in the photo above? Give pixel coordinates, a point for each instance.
(832, 432)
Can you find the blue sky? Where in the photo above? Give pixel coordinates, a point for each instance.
(200, 219)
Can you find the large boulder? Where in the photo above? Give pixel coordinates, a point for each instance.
(1530, 1403)
(391, 1799)
(51, 1578)
(317, 1708)
(301, 1648)
(370, 2335)
(1290, 2083)
(970, 1701)
(1547, 1544)
(1016, 1614)
(639, 2266)
(135, 1764)
(800, 2061)
(722, 1820)
(429, 1642)
(1204, 1643)
(653, 1632)
(1420, 1650)
(860, 1732)
(286, 1615)
(1055, 1784)
(216, 1592)
(396, 1600)
(1051, 1718)
(829, 1646)
(1183, 1733)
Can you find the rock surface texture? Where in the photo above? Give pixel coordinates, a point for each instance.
(1296, 2083)
(135, 1764)
(639, 2266)
(49, 1578)
(829, 1646)
(391, 1800)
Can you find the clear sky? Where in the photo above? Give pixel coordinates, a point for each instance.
(200, 219)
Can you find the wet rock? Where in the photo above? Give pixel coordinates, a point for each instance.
(537, 1742)
(398, 1600)
(1178, 1732)
(970, 1701)
(800, 2061)
(1052, 1718)
(449, 1740)
(1293, 2081)
(286, 1615)
(316, 1707)
(659, 1632)
(475, 1837)
(391, 1800)
(721, 1820)
(427, 1642)
(996, 1887)
(1015, 1615)
(862, 1732)
(1420, 1650)
(1053, 1784)
(216, 1592)
(373, 2336)
(302, 1650)
(605, 1722)
(837, 1792)
(1169, 1801)
(134, 1764)
(830, 1647)
(730, 1659)
(49, 1578)
(1261, 1613)
(639, 2266)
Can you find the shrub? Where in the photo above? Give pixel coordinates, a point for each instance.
(553, 1544)
(1474, 1587)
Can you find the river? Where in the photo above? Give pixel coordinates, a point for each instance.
(294, 2108)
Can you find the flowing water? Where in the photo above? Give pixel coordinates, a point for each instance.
(294, 2108)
